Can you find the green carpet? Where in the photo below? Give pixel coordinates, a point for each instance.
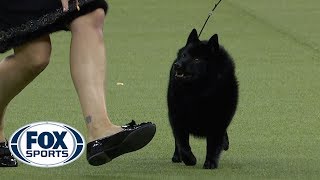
(275, 133)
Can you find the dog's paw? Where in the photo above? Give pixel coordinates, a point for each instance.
(188, 158)
(176, 158)
(210, 164)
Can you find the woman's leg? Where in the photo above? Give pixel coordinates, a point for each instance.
(88, 66)
(18, 70)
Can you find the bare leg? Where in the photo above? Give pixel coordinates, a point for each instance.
(88, 66)
(18, 70)
(2, 135)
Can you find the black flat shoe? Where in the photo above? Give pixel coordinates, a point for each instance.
(6, 158)
(133, 137)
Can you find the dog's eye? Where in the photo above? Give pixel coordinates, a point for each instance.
(183, 55)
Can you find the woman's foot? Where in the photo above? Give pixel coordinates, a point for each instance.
(132, 137)
(102, 133)
(6, 158)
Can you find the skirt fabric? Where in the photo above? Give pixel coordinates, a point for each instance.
(24, 20)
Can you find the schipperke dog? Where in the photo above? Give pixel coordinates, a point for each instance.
(202, 98)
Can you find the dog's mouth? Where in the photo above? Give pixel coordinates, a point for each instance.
(182, 75)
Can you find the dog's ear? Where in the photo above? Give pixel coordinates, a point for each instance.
(193, 36)
(214, 42)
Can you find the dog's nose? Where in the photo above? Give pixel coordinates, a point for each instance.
(177, 65)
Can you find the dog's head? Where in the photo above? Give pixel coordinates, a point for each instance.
(196, 59)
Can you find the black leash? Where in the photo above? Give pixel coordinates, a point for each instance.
(210, 14)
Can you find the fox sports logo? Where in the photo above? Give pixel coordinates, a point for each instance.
(47, 144)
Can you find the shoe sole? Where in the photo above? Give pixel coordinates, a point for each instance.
(133, 142)
(8, 166)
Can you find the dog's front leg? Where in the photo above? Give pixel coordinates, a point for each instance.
(214, 148)
(183, 147)
(176, 158)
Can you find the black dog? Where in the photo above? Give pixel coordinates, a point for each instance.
(202, 98)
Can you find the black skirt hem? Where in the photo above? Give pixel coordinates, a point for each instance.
(46, 24)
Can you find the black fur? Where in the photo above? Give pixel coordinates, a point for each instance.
(202, 98)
